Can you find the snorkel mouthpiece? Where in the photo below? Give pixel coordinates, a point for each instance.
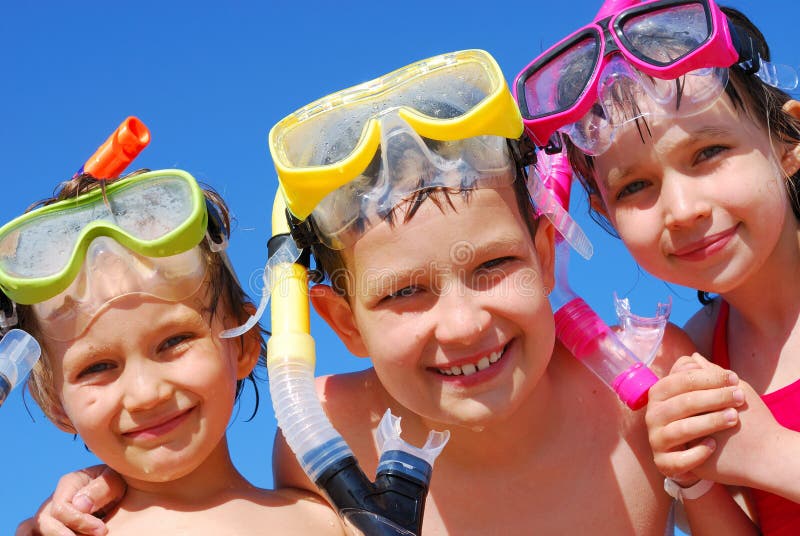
(19, 352)
(118, 151)
(392, 505)
(395, 502)
(578, 327)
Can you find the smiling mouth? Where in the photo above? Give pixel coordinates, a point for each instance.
(468, 369)
(707, 246)
(155, 430)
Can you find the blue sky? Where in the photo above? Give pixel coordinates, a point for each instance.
(209, 80)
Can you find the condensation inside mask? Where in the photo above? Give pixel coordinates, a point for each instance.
(405, 164)
(111, 271)
(625, 96)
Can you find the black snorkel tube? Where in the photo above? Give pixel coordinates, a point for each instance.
(394, 503)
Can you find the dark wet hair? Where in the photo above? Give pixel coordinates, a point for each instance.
(329, 263)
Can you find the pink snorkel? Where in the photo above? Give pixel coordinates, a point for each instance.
(578, 327)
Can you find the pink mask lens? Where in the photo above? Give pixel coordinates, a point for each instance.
(663, 40)
(559, 84)
(665, 37)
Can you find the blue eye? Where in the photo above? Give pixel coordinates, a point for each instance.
(96, 368)
(494, 263)
(173, 341)
(404, 292)
(709, 153)
(631, 188)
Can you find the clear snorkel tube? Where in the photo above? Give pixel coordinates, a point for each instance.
(578, 327)
(394, 503)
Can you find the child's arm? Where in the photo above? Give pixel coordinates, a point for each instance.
(716, 512)
(77, 497)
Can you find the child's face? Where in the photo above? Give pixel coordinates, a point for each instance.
(149, 386)
(452, 307)
(702, 201)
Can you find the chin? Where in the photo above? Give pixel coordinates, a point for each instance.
(475, 414)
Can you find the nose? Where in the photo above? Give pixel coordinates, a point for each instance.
(461, 317)
(107, 269)
(683, 201)
(144, 384)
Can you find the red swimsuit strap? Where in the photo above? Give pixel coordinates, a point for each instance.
(719, 344)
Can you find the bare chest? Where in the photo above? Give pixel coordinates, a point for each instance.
(586, 497)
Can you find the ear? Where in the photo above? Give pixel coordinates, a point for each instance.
(790, 161)
(596, 202)
(248, 347)
(544, 242)
(336, 311)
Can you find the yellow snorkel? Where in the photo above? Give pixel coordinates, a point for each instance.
(392, 505)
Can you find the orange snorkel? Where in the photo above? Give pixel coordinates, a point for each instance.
(118, 151)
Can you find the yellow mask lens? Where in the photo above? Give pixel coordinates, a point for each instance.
(328, 143)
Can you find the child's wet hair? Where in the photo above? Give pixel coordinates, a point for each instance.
(223, 289)
(330, 264)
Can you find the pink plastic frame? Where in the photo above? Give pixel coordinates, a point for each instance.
(716, 51)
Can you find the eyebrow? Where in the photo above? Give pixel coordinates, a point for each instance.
(175, 318)
(695, 136)
(388, 277)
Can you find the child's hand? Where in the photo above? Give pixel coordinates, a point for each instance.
(747, 453)
(77, 497)
(696, 399)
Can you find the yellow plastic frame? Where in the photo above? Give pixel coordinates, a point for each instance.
(495, 115)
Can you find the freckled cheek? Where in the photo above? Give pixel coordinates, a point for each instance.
(528, 283)
(398, 342)
(643, 233)
(212, 380)
(88, 410)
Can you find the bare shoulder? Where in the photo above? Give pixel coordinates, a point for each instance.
(676, 343)
(353, 403)
(300, 512)
(700, 327)
(241, 509)
(279, 511)
(344, 390)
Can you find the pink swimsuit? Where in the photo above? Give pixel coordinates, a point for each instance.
(777, 516)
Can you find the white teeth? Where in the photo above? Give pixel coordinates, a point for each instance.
(471, 368)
